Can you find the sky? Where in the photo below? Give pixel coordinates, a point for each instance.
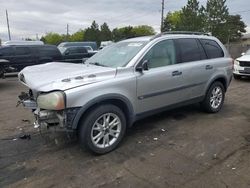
(29, 18)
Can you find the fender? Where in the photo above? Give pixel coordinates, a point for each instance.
(125, 100)
(220, 76)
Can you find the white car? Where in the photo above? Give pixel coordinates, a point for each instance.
(242, 65)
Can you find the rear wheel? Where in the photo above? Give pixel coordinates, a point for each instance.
(237, 77)
(214, 98)
(102, 129)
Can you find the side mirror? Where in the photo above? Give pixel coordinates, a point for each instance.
(143, 67)
(243, 53)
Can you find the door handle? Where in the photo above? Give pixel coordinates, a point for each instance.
(209, 67)
(176, 73)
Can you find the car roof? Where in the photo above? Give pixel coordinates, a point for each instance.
(170, 35)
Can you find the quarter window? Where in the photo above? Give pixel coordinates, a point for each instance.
(190, 50)
(162, 54)
(212, 48)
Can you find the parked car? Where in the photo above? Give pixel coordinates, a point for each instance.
(105, 43)
(125, 82)
(75, 54)
(242, 66)
(20, 56)
(3, 63)
(93, 45)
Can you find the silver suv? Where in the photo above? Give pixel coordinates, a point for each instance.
(125, 82)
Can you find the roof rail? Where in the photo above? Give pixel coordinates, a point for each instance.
(180, 32)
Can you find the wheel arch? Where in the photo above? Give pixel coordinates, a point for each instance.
(219, 78)
(119, 100)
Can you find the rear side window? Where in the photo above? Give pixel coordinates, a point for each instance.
(48, 51)
(212, 48)
(22, 51)
(77, 50)
(7, 51)
(190, 50)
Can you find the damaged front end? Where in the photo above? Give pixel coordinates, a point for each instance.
(49, 110)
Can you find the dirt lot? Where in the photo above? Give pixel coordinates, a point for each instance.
(179, 148)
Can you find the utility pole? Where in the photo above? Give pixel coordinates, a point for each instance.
(8, 25)
(162, 14)
(67, 32)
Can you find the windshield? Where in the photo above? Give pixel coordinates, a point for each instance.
(116, 55)
(248, 52)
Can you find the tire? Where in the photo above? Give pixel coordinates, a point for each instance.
(217, 92)
(237, 77)
(93, 125)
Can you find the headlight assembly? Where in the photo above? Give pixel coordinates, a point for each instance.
(51, 101)
(236, 62)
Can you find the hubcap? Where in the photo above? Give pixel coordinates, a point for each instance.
(106, 130)
(216, 97)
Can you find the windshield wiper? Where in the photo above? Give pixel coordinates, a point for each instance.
(97, 64)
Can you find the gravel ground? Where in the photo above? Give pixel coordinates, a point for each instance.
(180, 148)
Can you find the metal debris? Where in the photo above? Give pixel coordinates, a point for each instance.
(25, 137)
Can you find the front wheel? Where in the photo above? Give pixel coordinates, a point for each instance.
(102, 129)
(214, 98)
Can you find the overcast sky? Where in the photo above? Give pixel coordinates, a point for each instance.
(31, 17)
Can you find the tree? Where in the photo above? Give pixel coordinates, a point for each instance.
(105, 32)
(77, 36)
(129, 32)
(123, 33)
(143, 30)
(172, 22)
(52, 38)
(92, 33)
(191, 17)
(235, 27)
(216, 18)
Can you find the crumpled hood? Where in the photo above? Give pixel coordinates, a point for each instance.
(62, 76)
(244, 58)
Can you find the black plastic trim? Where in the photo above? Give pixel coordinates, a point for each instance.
(168, 91)
(103, 98)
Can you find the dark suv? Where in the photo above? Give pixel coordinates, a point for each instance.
(25, 55)
(75, 54)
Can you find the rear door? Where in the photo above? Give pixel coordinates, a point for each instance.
(161, 85)
(23, 57)
(48, 53)
(199, 69)
(75, 54)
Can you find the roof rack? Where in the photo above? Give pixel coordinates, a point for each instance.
(180, 32)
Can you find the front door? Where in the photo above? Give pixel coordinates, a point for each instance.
(162, 84)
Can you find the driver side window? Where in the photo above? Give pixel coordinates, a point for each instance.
(161, 54)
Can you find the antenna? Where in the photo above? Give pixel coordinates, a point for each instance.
(8, 25)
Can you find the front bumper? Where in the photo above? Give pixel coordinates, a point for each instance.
(62, 119)
(242, 71)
